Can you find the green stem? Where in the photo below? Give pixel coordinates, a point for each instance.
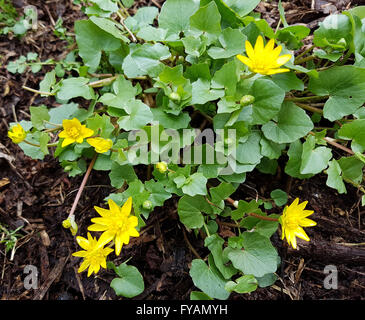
(299, 99)
(38, 92)
(206, 229)
(309, 108)
(304, 53)
(54, 144)
(306, 59)
(251, 214)
(244, 77)
(102, 82)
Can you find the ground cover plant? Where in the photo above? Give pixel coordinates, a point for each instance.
(184, 103)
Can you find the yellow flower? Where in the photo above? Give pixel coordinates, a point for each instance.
(161, 166)
(264, 60)
(293, 219)
(17, 133)
(94, 254)
(74, 131)
(117, 224)
(101, 145)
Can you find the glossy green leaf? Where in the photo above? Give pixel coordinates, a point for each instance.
(292, 123)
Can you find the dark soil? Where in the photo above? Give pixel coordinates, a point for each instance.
(39, 195)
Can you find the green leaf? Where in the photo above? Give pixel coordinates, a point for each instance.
(226, 77)
(158, 192)
(48, 82)
(38, 115)
(91, 41)
(249, 152)
(202, 93)
(32, 151)
(75, 87)
(345, 87)
(195, 184)
(314, 160)
(175, 15)
(101, 125)
(242, 8)
(139, 114)
(267, 280)
(292, 124)
(208, 280)
(288, 81)
(244, 284)
(130, 282)
(119, 174)
(171, 121)
(107, 5)
(110, 27)
(197, 295)
(43, 140)
(334, 179)
(279, 196)
(267, 228)
(294, 163)
(333, 28)
(145, 60)
(355, 131)
(144, 17)
(268, 100)
(270, 149)
(103, 163)
(351, 168)
(190, 211)
(258, 258)
(207, 20)
(232, 42)
(214, 243)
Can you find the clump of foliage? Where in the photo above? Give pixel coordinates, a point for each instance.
(150, 79)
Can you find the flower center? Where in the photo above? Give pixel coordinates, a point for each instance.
(73, 132)
(96, 256)
(291, 223)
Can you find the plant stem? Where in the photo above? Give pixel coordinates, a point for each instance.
(251, 214)
(206, 229)
(102, 82)
(335, 144)
(244, 77)
(304, 53)
(38, 92)
(82, 186)
(299, 99)
(309, 108)
(54, 144)
(306, 59)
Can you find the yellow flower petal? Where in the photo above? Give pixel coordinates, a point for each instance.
(259, 45)
(283, 59)
(97, 227)
(127, 207)
(105, 238)
(249, 50)
(245, 60)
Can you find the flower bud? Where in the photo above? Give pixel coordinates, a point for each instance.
(67, 168)
(66, 223)
(228, 141)
(247, 100)
(174, 96)
(147, 205)
(161, 166)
